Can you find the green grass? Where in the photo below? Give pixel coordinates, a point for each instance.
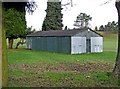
(109, 41)
(34, 68)
(27, 56)
(29, 68)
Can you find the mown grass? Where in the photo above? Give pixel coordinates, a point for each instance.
(29, 57)
(110, 41)
(34, 68)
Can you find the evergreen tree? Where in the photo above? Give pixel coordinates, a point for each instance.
(101, 28)
(82, 20)
(96, 28)
(14, 18)
(53, 19)
(15, 24)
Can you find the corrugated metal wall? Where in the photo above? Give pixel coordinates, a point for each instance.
(28, 42)
(96, 44)
(78, 45)
(52, 44)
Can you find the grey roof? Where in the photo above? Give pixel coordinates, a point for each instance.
(70, 32)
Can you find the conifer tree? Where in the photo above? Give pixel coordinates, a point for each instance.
(53, 19)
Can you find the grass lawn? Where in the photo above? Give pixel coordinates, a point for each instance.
(34, 69)
(29, 68)
(109, 41)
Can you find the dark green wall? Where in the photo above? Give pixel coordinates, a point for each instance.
(52, 44)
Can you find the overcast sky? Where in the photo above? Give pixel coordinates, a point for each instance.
(101, 14)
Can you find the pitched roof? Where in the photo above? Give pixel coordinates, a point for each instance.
(70, 32)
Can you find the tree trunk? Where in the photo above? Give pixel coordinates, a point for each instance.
(10, 41)
(116, 70)
(4, 61)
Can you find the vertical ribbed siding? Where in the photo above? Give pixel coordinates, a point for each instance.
(52, 44)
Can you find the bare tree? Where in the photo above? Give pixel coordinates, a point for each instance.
(68, 3)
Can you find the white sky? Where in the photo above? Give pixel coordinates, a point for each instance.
(101, 14)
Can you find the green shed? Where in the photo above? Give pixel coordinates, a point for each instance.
(72, 41)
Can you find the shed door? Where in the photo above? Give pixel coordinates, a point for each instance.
(88, 45)
(78, 45)
(96, 44)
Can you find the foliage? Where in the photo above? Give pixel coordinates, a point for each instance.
(29, 31)
(29, 6)
(14, 18)
(14, 23)
(53, 19)
(96, 28)
(101, 28)
(82, 20)
(111, 27)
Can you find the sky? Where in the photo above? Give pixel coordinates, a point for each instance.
(101, 13)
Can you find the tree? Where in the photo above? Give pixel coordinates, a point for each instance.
(114, 26)
(4, 61)
(53, 19)
(3, 58)
(14, 24)
(23, 36)
(96, 28)
(19, 6)
(116, 70)
(14, 16)
(66, 28)
(101, 28)
(111, 27)
(82, 20)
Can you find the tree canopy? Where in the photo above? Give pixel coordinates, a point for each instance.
(82, 20)
(14, 23)
(110, 26)
(53, 19)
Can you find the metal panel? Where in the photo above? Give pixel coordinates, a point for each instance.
(96, 44)
(66, 44)
(29, 42)
(51, 44)
(78, 45)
